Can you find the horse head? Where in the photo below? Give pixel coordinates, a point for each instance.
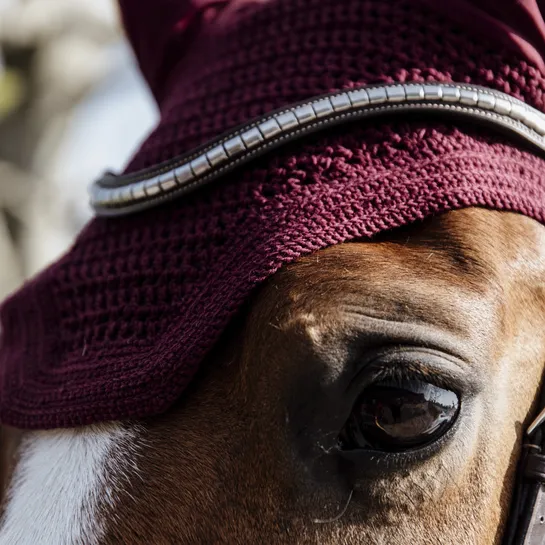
(338, 342)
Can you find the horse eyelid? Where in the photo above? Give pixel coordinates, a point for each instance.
(432, 366)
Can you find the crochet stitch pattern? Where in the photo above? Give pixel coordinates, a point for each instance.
(117, 328)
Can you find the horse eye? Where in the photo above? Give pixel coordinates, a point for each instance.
(399, 415)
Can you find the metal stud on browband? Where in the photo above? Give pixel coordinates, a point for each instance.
(119, 195)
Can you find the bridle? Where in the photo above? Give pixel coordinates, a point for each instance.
(120, 195)
(526, 522)
(114, 195)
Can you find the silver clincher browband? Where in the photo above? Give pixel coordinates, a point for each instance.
(114, 195)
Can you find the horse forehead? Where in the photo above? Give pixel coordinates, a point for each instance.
(471, 260)
(65, 483)
(471, 248)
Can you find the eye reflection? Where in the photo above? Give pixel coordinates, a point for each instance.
(399, 415)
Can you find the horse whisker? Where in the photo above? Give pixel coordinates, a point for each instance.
(340, 515)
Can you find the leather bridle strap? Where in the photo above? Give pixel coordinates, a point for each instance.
(526, 523)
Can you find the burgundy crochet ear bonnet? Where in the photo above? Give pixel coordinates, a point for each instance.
(117, 328)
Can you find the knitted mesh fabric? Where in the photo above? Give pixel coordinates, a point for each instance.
(285, 51)
(117, 328)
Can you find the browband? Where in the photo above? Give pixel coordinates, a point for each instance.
(114, 195)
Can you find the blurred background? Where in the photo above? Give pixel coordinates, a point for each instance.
(72, 104)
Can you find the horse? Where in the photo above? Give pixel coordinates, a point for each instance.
(377, 390)
(231, 464)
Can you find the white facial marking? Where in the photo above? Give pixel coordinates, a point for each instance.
(61, 480)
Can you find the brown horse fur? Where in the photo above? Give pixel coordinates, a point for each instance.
(249, 453)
